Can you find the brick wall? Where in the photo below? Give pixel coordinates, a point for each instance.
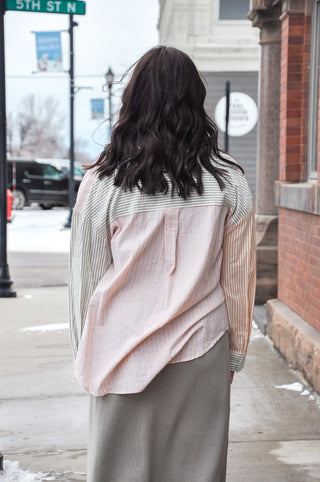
(294, 324)
(299, 232)
(295, 57)
(299, 263)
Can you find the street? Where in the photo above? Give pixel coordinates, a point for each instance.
(275, 415)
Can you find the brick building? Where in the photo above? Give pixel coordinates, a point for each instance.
(294, 316)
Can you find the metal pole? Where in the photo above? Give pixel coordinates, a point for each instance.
(5, 283)
(226, 132)
(71, 99)
(110, 112)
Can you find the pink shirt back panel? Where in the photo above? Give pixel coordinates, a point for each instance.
(160, 301)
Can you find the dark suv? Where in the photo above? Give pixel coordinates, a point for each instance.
(38, 182)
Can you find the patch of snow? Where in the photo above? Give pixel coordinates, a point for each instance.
(44, 328)
(12, 473)
(35, 230)
(256, 333)
(295, 387)
(305, 392)
(27, 297)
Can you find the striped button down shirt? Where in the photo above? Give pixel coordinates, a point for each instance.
(158, 279)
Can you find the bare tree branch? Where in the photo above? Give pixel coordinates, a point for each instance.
(37, 128)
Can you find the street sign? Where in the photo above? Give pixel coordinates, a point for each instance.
(72, 7)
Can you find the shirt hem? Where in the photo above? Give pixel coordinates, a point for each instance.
(137, 390)
(202, 352)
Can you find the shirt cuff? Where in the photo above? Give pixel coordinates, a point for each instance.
(236, 361)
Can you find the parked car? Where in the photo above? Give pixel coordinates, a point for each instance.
(38, 182)
(63, 165)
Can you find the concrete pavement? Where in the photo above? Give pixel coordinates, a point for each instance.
(42, 412)
(36, 269)
(275, 418)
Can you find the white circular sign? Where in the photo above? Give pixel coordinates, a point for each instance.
(243, 114)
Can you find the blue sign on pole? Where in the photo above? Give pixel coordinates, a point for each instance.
(97, 108)
(49, 51)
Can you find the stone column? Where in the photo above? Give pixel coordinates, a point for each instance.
(265, 15)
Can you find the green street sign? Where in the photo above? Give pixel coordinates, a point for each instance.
(72, 7)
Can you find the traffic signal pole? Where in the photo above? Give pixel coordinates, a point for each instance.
(5, 282)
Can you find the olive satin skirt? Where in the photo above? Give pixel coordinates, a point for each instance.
(176, 430)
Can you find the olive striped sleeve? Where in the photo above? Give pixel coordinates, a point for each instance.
(238, 278)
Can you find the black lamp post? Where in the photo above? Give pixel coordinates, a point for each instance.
(109, 79)
(5, 282)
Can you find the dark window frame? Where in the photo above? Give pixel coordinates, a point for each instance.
(232, 19)
(314, 101)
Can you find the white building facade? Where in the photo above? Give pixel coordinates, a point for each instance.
(225, 47)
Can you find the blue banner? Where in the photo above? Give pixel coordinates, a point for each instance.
(97, 108)
(49, 51)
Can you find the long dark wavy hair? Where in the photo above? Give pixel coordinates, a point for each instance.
(163, 128)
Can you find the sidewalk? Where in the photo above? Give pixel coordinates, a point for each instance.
(274, 426)
(42, 412)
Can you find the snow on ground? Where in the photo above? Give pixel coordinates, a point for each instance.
(297, 387)
(37, 230)
(12, 472)
(45, 328)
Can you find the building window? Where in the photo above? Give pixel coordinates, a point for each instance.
(234, 10)
(314, 104)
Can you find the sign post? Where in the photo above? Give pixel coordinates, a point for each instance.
(72, 24)
(226, 133)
